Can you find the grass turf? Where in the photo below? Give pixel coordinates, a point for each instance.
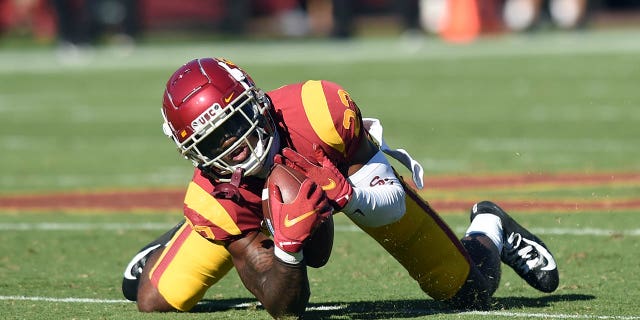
(360, 282)
(548, 103)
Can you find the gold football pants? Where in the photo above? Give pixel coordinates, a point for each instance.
(188, 267)
(426, 247)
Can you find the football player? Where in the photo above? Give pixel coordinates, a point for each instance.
(233, 133)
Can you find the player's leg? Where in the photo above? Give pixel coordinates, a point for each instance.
(463, 273)
(148, 298)
(484, 275)
(483, 243)
(493, 236)
(520, 249)
(425, 246)
(134, 269)
(178, 274)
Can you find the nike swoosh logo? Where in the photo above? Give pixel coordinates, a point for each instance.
(136, 258)
(288, 223)
(227, 99)
(551, 263)
(329, 186)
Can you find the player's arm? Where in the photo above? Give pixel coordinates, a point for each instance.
(378, 198)
(283, 289)
(371, 194)
(275, 271)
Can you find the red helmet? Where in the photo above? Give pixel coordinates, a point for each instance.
(217, 117)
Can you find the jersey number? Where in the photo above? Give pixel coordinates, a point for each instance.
(349, 117)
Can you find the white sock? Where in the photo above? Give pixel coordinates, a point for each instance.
(489, 225)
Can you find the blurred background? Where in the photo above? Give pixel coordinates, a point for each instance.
(532, 103)
(70, 24)
(468, 86)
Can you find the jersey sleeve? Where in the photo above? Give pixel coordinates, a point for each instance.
(318, 112)
(222, 219)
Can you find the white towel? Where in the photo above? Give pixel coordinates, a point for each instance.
(375, 129)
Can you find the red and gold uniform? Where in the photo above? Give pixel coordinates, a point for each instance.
(313, 112)
(232, 132)
(318, 112)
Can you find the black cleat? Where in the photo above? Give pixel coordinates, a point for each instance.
(523, 251)
(134, 268)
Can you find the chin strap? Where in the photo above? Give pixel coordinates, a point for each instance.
(229, 190)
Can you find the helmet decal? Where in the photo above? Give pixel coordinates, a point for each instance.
(208, 115)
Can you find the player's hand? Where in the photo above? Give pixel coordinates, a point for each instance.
(294, 222)
(322, 171)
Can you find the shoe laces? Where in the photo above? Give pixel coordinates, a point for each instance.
(519, 253)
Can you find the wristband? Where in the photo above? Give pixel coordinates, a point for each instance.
(288, 257)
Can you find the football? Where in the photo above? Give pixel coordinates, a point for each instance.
(287, 179)
(318, 247)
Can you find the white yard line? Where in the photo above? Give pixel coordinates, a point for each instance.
(362, 50)
(106, 226)
(343, 306)
(546, 315)
(82, 226)
(62, 300)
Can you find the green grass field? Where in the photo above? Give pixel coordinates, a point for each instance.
(529, 105)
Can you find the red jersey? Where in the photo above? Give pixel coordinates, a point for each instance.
(313, 112)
